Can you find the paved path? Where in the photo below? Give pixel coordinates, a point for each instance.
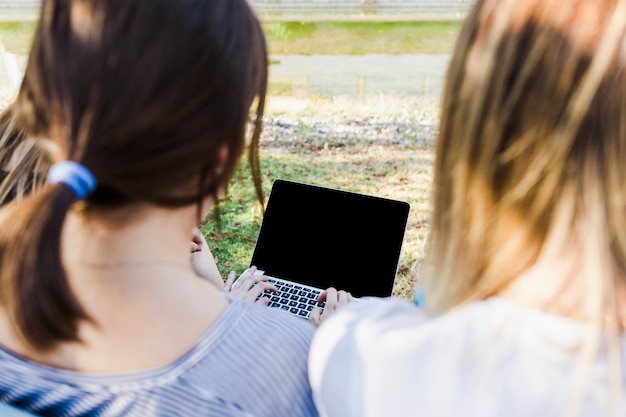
(358, 75)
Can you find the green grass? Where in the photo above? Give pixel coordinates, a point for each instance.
(356, 38)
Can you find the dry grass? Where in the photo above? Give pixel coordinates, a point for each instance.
(381, 105)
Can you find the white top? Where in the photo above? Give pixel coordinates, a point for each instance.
(384, 357)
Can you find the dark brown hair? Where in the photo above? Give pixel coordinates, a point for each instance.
(144, 93)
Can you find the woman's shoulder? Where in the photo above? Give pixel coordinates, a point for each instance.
(264, 347)
(377, 315)
(254, 319)
(249, 348)
(367, 322)
(394, 317)
(247, 336)
(477, 348)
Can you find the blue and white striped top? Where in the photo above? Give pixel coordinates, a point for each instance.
(251, 362)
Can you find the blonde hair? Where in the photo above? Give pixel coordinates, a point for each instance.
(530, 153)
(20, 159)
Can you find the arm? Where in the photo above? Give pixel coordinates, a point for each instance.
(248, 286)
(202, 259)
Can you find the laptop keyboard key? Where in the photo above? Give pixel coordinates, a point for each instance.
(295, 299)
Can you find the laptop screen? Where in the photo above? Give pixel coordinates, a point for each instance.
(324, 237)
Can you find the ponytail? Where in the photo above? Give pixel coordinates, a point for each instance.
(33, 285)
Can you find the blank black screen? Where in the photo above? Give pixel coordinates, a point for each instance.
(324, 237)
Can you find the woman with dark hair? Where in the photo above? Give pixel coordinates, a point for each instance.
(22, 172)
(525, 283)
(142, 108)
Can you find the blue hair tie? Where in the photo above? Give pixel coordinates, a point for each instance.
(75, 176)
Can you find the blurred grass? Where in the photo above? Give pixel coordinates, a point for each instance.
(17, 36)
(356, 38)
(305, 38)
(380, 105)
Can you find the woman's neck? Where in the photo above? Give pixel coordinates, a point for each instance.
(133, 277)
(140, 235)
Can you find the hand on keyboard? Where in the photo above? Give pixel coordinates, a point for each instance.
(333, 299)
(249, 286)
(301, 300)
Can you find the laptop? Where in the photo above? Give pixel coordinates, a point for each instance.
(315, 237)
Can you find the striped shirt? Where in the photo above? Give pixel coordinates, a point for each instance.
(251, 362)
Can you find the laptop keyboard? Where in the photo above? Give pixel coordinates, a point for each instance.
(296, 299)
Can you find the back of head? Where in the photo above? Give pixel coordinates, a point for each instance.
(146, 94)
(530, 150)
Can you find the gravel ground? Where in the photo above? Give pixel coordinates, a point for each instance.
(414, 128)
(315, 133)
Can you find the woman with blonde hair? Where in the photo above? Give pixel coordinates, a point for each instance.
(525, 274)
